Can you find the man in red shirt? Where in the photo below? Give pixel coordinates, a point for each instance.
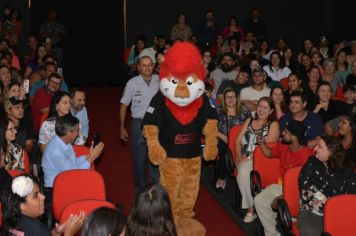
(42, 99)
(292, 152)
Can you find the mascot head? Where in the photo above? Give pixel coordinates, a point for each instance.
(182, 74)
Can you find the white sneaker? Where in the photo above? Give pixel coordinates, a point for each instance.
(250, 217)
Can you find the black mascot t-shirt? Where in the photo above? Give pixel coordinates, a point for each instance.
(180, 141)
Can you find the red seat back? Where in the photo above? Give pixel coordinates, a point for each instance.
(268, 168)
(340, 215)
(44, 117)
(126, 55)
(74, 185)
(233, 133)
(85, 205)
(81, 150)
(284, 82)
(291, 190)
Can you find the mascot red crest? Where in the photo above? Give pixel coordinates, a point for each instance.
(182, 74)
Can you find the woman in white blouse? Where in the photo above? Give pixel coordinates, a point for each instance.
(60, 106)
(276, 69)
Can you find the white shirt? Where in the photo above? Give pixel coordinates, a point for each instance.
(139, 94)
(277, 75)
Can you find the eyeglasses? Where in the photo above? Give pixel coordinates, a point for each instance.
(12, 130)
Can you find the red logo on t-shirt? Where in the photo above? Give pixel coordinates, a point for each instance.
(185, 138)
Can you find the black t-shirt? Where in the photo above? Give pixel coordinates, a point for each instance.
(33, 227)
(26, 129)
(181, 141)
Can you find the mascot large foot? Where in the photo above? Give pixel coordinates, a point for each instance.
(190, 227)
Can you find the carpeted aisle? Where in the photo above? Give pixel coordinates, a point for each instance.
(116, 166)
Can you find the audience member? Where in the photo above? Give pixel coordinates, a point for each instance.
(59, 155)
(326, 174)
(330, 75)
(250, 95)
(234, 30)
(295, 84)
(136, 49)
(279, 101)
(351, 58)
(60, 107)
(292, 152)
(351, 78)
(34, 65)
(312, 83)
(263, 125)
(25, 131)
(13, 154)
(5, 76)
(216, 48)
(207, 31)
(159, 59)
(42, 99)
(230, 113)
(312, 121)
(78, 109)
(342, 67)
(209, 93)
(255, 25)
(23, 205)
(347, 132)
(53, 31)
(151, 213)
(139, 91)
(307, 45)
(276, 69)
(240, 82)
(181, 31)
(324, 48)
(317, 60)
(104, 221)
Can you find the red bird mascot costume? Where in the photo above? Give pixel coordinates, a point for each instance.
(177, 117)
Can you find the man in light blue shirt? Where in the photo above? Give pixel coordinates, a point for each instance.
(79, 110)
(59, 155)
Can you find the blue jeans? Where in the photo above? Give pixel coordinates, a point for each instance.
(140, 158)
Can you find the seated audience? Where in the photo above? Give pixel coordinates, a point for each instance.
(330, 75)
(104, 221)
(22, 120)
(151, 213)
(292, 152)
(23, 205)
(294, 84)
(234, 30)
(326, 174)
(60, 106)
(347, 132)
(59, 155)
(279, 101)
(250, 95)
(327, 108)
(240, 82)
(276, 69)
(34, 65)
(79, 110)
(342, 67)
(42, 98)
(312, 121)
(311, 85)
(12, 152)
(230, 113)
(263, 125)
(5, 76)
(351, 78)
(181, 31)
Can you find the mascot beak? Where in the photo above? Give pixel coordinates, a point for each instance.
(181, 90)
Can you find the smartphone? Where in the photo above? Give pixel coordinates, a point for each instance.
(26, 85)
(96, 139)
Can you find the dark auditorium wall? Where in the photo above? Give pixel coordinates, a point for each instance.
(292, 19)
(94, 42)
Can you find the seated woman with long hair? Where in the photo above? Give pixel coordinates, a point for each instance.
(326, 174)
(279, 101)
(264, 125)
(230, 113)
(295, 83)
(151, 213)
(347, 132)
(12, 153)
(60, 106)
(23, 204)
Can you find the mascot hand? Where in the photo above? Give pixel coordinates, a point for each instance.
(210, 131)
(156, 153)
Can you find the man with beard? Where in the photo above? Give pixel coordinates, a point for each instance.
(79, 110)
(225, 72)
(292, 152)
(249, 96)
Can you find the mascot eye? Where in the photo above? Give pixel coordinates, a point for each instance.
(174, 81)
(190, 81)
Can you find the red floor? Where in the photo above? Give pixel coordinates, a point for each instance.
(115, 163)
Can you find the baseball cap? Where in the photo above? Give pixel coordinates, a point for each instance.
(12, 101)
(298, 129)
